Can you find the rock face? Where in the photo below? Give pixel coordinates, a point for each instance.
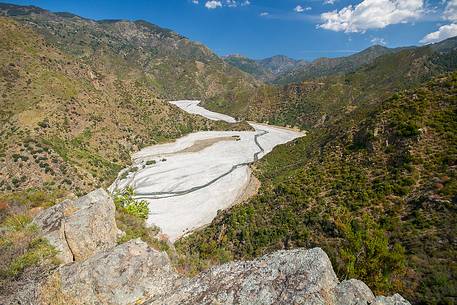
(80, 228)
(97, 271)
(123, 275)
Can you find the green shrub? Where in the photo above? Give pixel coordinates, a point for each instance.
(150, 162)
(125, 200)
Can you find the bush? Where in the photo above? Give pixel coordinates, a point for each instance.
(150, 162)
(125, 200)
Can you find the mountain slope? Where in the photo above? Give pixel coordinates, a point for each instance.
(376, 189)
(76, 104)
(167, 62)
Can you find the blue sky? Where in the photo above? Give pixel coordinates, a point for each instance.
(300, 29)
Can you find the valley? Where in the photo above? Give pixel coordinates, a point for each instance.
(186, 183)
(127, 148)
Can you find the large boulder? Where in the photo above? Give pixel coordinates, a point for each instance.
(126, 274)
(80, 228)
(285, 277)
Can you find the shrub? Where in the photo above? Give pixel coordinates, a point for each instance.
(150, 162)
(125, 200)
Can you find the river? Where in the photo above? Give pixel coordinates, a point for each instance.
(186, 182)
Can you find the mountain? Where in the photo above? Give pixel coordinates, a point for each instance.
(331, 66)
(79, 96)
(323, 100)
(284, 70)
(376, 189)
(267, 69)
(173, 66)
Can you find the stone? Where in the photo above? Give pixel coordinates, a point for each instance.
(126, 274)
(284, 277)
(80, 228)
(90, 225)
(396, 299)
(97, 271)
(353, 292)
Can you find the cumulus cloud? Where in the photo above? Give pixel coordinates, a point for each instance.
(231, 3)
(195, 1)
(264, 14)
(228, 3)
(213, 4)
(372, 14)
(329, 1)
(444, 32)
(450, 12)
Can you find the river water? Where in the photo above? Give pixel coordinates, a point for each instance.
(186, 182)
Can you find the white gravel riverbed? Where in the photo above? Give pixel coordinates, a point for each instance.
(189, 182)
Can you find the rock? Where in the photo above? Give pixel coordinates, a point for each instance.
(352, 292)
(80, 228)
(125, 274)
(291, 277)
(90, 225)
(396, 299)
(51, 222)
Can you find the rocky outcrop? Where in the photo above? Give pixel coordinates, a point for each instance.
(133, 273)
(123, 275)
(80, 228)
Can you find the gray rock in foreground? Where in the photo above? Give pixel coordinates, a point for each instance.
(100, 272)
(80, 228)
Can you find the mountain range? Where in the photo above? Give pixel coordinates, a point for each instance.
(281, 69)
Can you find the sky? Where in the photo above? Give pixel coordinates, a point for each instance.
(305, 29)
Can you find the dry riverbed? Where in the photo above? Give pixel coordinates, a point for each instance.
(186, 182)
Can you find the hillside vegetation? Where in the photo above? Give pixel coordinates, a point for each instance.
(322, 101)
(376, 189)
(75, 108)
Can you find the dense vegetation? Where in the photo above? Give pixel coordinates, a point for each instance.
(376, 189)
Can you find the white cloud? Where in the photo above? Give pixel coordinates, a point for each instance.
(444, 32)
(450, 12)
(329, 1)
(213, 4)
(299, 9)
(195, 1)
(264, 14)
(378, 40)
(231, 3)
(245, 3)
(372, 14)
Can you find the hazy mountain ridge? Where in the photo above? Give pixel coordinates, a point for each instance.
(283, 70)
(267, 69)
